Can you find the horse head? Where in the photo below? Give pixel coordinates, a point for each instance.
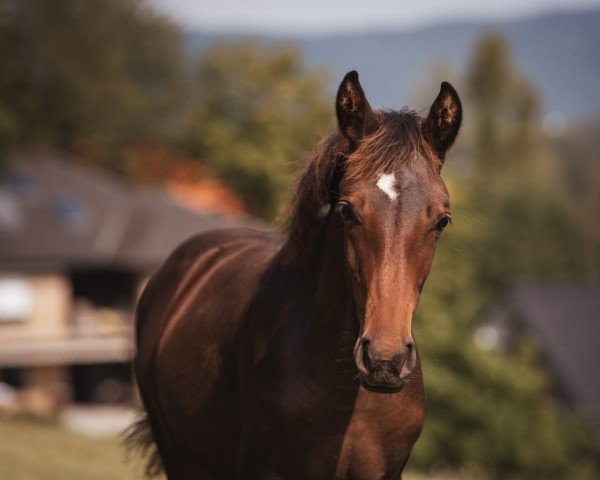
(392, 205)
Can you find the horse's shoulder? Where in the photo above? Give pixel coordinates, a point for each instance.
(239, 254)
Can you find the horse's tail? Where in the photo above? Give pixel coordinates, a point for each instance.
(139, 437)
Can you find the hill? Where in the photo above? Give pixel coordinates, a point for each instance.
(558, 52)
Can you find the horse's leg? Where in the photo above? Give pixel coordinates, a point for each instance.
(175, 466)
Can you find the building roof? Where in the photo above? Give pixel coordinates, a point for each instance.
(565, 319)
(56, 213)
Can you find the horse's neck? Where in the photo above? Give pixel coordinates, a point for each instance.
(332, 328)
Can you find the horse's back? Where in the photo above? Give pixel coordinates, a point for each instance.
(188, 322)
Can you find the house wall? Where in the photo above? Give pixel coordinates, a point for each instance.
(48, 316)
(43, 348)
(50, 310)
(53, 382)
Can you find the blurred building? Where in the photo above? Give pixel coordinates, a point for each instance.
(564, 322)
(76, 247)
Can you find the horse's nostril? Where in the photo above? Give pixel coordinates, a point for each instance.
(365, 353)
(398, 360)
(411, 355)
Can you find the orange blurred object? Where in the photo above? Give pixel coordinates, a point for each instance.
(186, 179)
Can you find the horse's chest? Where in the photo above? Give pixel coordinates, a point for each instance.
(376, 445)
(368, 436)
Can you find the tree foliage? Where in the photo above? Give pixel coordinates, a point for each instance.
(577, 176)
(98, 77)
(505, 107)
(491, 412)
(87, 76)
(255, 113)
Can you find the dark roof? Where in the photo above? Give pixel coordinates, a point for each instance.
(55, 213)
(565, 319)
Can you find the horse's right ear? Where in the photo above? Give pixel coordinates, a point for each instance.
(354, 113)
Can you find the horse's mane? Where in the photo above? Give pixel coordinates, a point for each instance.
(396, 141)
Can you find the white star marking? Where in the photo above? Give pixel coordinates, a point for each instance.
(386, 185)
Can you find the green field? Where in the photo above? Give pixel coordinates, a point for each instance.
(33, 450)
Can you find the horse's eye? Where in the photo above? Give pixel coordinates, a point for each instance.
(442, 223)
(346, 212)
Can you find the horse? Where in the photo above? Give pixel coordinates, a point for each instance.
(268, 356)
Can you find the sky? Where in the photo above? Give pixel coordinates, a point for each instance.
(318, 17)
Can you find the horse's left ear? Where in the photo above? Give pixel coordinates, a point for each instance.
(441, 126)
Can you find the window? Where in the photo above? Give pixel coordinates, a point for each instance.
(16, 299)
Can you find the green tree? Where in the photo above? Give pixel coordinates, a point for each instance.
(491, 413)
(524, 219)
(255, 112)
(503, 105)
(577, 169)
(87, 76)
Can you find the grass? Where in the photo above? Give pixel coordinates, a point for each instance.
(33, 450)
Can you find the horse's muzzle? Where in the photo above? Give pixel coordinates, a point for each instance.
(387, 374)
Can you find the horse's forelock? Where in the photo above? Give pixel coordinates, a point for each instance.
(397, 140)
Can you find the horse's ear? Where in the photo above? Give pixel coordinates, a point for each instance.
(441, 126)
(354, 113)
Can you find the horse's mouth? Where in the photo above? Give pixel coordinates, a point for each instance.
(383, 388)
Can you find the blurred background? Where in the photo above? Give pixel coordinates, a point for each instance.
(127, 126)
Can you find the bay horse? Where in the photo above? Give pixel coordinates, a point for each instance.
(263, 356)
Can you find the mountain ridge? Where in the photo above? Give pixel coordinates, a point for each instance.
(558, 52)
